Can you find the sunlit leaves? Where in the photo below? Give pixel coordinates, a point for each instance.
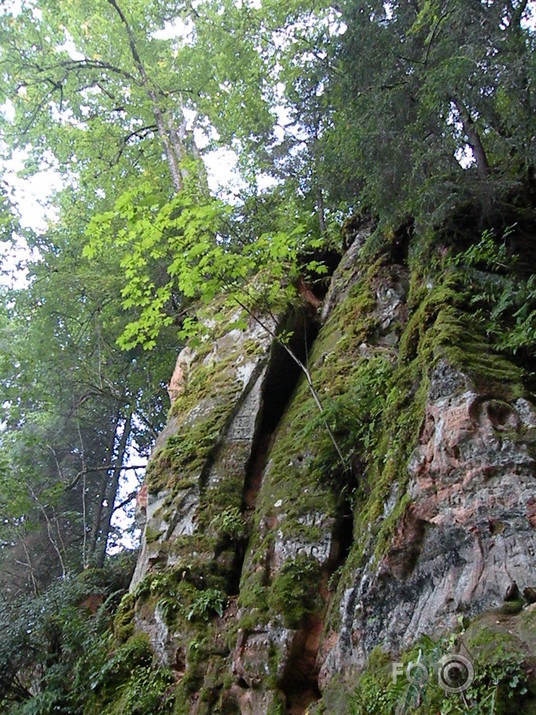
(181, 250)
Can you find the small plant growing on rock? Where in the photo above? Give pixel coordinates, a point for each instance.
(229, 524)
(210, 601)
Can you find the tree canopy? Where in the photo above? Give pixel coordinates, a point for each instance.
(407, 112)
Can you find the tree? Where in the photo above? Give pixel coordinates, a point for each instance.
(94, 89)
(435, 105)
(78, 414)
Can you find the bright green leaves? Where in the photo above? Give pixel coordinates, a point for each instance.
(165, 248)
(180, 250)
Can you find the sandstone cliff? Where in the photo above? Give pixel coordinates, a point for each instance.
(276, 578)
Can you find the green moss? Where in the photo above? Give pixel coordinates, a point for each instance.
(151, 534)
(137, 650)
(124, 618)
(229, 524)
(200, 413)
(502, 680)
(111, 680)
(181, 460)
(277, 705)
(294, 590)
(252, 600)
(336, 698)
(512, 607)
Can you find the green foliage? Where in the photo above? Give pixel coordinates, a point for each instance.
(503, 299)
(128, 682)
(411, 104)
(355, 414)
(188, 236)
(55, 637)
(294, 590)
(206, 603)
(148, 231)
(229, 524)
(69, 396)
(148, 690)
(501, 682)
(56, 656)
(192, 592)
(135, 652)
(124, 618)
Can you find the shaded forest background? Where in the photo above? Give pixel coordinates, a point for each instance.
(417, 115)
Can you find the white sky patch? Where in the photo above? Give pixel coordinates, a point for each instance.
(222, 171)
(13, 259)
(465, 156)
(13, 7)
(31, 194)
(130, 482)
(8, 110)
(176, 29)
(123, 519)
(70, 48)
(529, 17)
(31, 197)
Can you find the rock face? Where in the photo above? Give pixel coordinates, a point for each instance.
(271, 568)
(208, 436)
(465, 536)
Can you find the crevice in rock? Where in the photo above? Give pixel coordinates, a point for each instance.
(281, 378)
(401, 241)
(299, 683)
(300, 679)
(209, 462)
(343, 534)
(279, 384)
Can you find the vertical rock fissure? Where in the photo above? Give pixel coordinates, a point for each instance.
(281, 378)
(300, 680)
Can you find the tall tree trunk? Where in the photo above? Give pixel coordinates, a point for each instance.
(111, 493)
(174, 149)
(97, 511)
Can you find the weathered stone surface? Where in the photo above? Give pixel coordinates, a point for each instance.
(253, 648)
(173, 513)
(466, 534)
(181, 372)
(441, 493)
(346, 275)
(287, 547)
